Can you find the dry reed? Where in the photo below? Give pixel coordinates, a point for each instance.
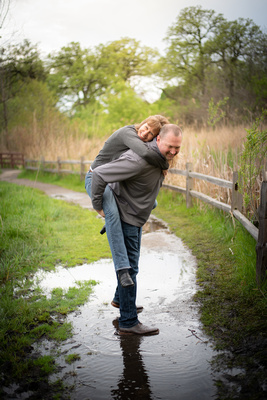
(212, 152)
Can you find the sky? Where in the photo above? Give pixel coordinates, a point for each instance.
(53, 24)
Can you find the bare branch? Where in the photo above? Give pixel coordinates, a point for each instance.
(4, 8)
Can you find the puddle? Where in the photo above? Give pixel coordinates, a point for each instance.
(174, 364)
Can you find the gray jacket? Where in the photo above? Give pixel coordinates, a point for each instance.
(135, 184)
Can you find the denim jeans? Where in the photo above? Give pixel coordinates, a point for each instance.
(126, 296)
(113, 226)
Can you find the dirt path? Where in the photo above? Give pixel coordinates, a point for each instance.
(54, 191)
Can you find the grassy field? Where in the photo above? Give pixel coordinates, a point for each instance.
(39, 232)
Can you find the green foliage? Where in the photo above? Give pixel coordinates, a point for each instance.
(127, 58)
(126, 107)
(45, 364)
(188, 55)
(78, 75)
(215, 111)
(252, 162)
(33, 101)
(210, 57)
(71, 358)
(82, 76)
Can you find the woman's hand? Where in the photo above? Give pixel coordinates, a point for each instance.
(101, 212)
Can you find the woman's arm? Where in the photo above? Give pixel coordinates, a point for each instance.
(133, 142)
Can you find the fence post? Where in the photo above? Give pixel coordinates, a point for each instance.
(82, 169)
(264, 170)
(189, 185)
(58, 165)
(12, 160)
(261, 247)
(42, 164)
(237, 198)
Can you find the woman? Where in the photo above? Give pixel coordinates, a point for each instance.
(129, 137)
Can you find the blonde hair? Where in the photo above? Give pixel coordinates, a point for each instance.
(156, 122)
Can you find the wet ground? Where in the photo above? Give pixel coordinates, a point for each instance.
(176, 364)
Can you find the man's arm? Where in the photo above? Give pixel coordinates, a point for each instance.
(126, 167)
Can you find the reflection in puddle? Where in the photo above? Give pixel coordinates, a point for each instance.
(174, 364)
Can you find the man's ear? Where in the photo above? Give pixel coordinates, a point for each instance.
(158, 139)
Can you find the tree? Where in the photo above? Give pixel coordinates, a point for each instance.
(208, 58)
(18, 65)
(233, 49)
(128, 58)
(81, 76)
(188, 55)
(78, 75)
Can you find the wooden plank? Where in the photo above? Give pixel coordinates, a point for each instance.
(216, 181)
(177, 171)
(210, 200)
(175, 188)
(247, 224)
(189, 184)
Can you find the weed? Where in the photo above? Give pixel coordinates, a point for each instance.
(71, 358)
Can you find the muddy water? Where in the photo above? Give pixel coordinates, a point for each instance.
(172, 365)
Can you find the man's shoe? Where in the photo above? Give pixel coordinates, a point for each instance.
(139, 309)
(139, 329)
(125, 278)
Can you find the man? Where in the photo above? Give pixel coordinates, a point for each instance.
(135, 185)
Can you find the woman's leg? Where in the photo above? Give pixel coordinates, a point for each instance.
(113, 226)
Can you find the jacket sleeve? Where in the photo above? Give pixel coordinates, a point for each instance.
(133, 142)
(125, 167)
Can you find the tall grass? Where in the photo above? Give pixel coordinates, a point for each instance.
(212, 151)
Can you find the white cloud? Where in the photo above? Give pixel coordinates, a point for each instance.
(55, 23)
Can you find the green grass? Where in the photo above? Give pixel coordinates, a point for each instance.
(39, 232)
(68, 181)
(71, 358)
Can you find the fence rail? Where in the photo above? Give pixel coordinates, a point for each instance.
(11, 160)
(235, 208)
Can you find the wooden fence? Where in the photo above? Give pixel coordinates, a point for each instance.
(260, 235)
(11, 160)
(56, 166)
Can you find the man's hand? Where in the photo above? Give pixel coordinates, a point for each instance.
(164, 171)
(101, 212)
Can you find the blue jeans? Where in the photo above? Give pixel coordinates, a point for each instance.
(126, 296)
(113, 226)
